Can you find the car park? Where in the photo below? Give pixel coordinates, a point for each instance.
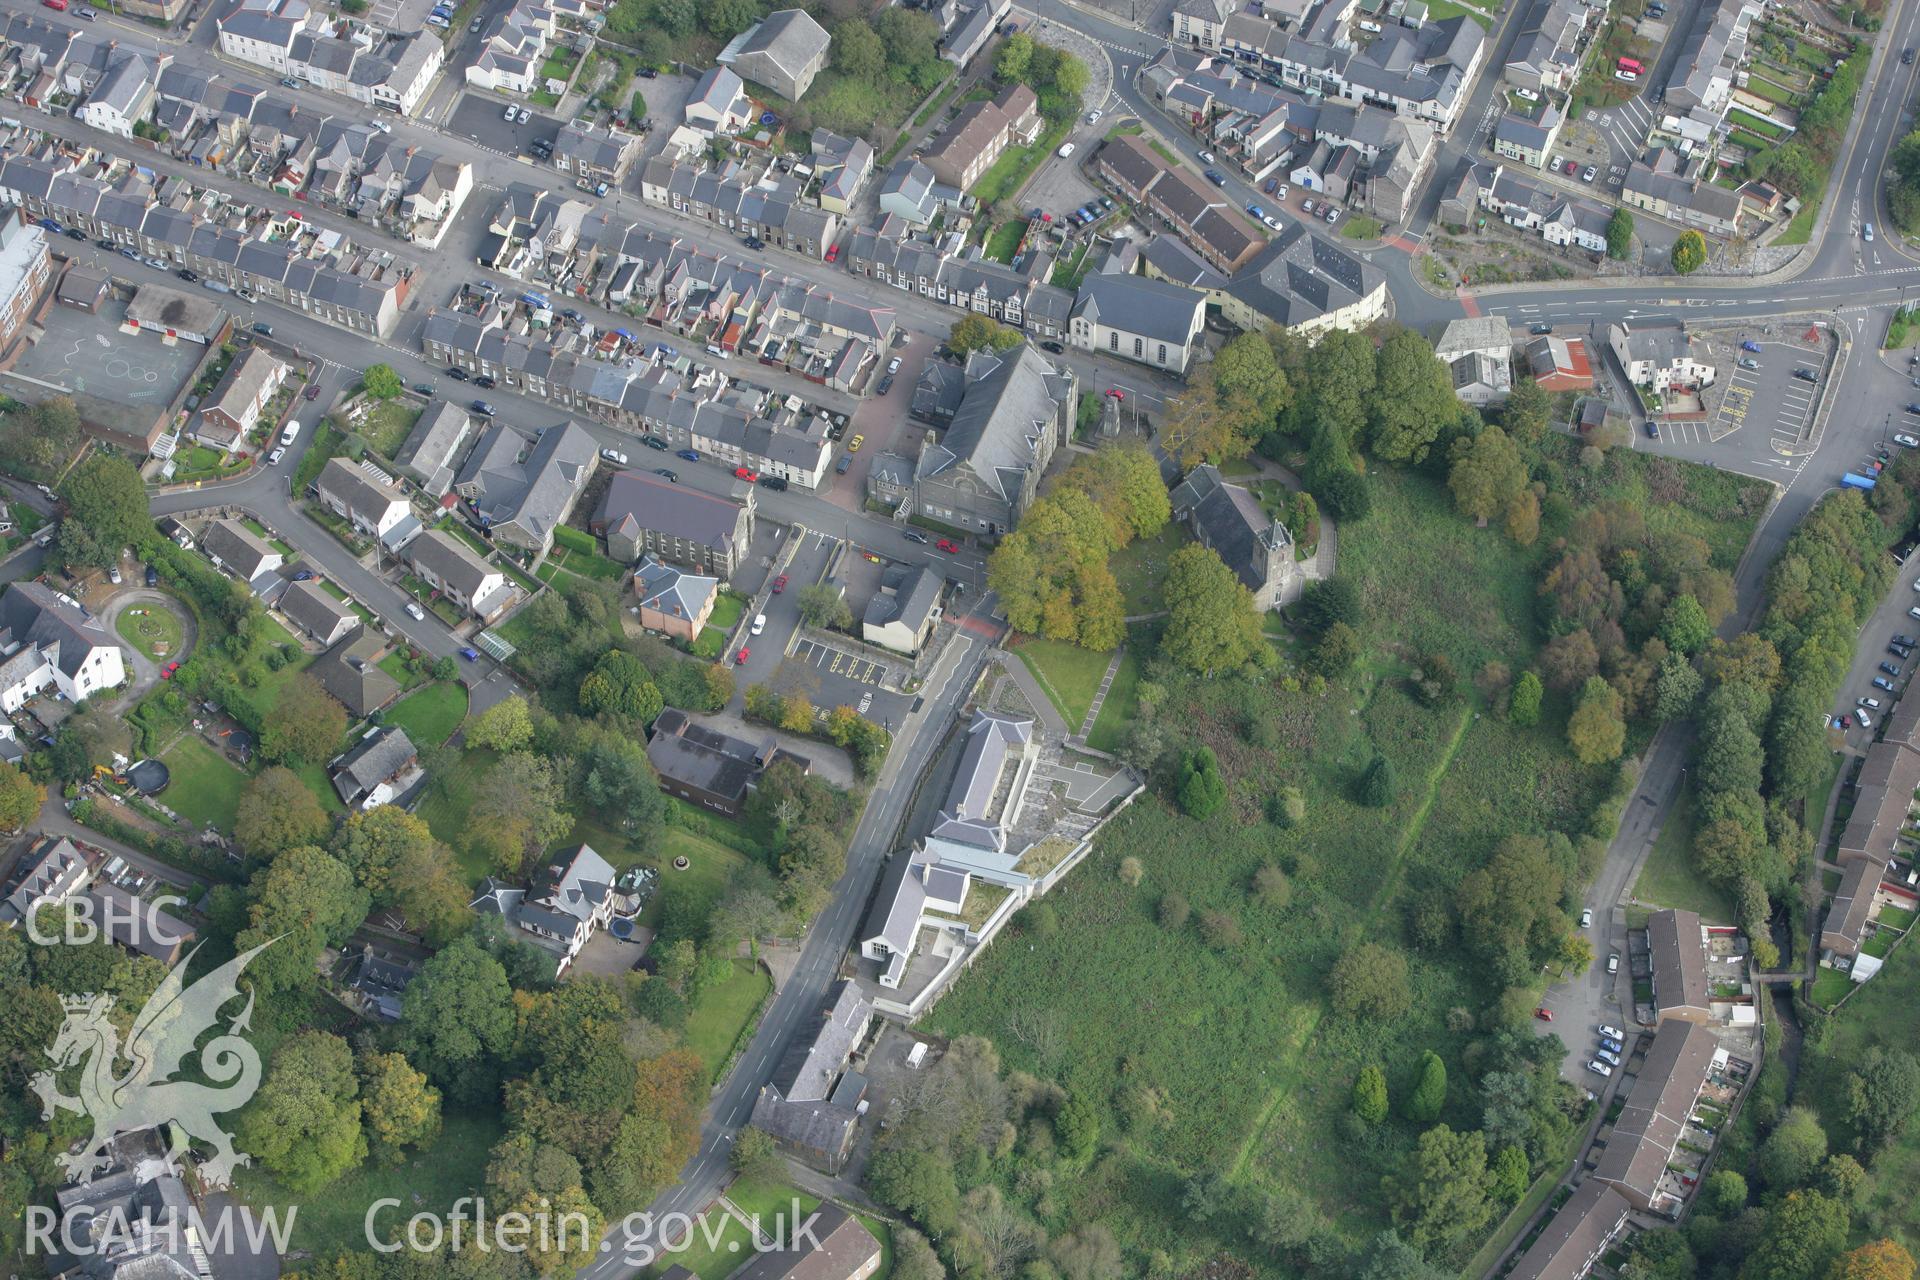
(615, 456)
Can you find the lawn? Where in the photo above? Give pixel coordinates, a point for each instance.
(1360, 227)
(772, 1202)
(715, 1247)
(1669, 880)
(1005, 240)
(152, 629)
(1439, 10)
(403, 672)
(1765, 128)
(725, 1010)
(325, 445)
(1829, 987)
(585, 564)
(430, 715)
(1141, 568)
(428, 1182)
(446, 806)
(206, 786)
(1010, 172)
(1258, 1068)
(1123, 699)
(1071, 675)
(720, 624)
(1895, 918)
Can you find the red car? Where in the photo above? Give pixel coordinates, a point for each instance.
(743, 655)
(1543, 1013)
(780, 584)
(1116, 393)
(833, 253)
(296, 215)
(947, 547)
(746, 473)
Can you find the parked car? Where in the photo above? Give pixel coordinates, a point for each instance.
(885, 385)
(1611, 1045)
(743, 655)
(457, 374)
(1216, 178)
(1882, 683)
(1541, 327)
(190, 276)
(690, 455)
(1806, 375)
(1748, 362)
(614, 456)
(853, 445)
(423, 389)
(947, 546)
(669, 476)
(1866, 721)
(1599, 1068)
(1066, 149)
(746, 473)
(1869, 702)
(1906, 441)
(1586, 174)
(1653, 429)
(1748, 344)
(755, 242)
(1054, 347)
(1607, 1056)
(1543, 1013)
(759, 624)
(485, 382)
(1206, 157)
(775, 483)
(841, 467)
(1612, 1033)
(510, 113)
(1586, 918)
(312, 391)
(1889, 669)
(482, 407)
(655, 442)
(153, 576)
(1613, 962)
(273, 459)
(914, 535)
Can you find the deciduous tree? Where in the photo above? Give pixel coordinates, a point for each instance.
(276, 812)
(304, 1123)
(1878, 1260)
(1689, 252)
(1619, 235)
(1597, 732)
(305, 725)
(400, 1108)
(459, 1024)
(1412, 398)
(1370, 981)
(1212, 625)
(1442, 1195)
(380, 382)
(1487, 472)
(507, 725)
(1791, 1155)
(1524, 708)
(310, 898)
(824, 604)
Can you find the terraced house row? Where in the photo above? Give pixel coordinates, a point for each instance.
(331, 278)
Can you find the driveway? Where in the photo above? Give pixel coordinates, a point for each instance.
(146, 672)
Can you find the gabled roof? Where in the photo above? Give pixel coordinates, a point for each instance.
(968, 815)
(789, 38)
(1679, 958)
(1237, 527)
(531, 486)
(636, 500)
(1012, 400)
(314, 610)
(1853, 902)
(238, 548)
(376, 758)
(671, 591)
(1155, 309)
(1650, 1126)
(451, 561)
(34, 617)
(908, 596)
(350, 671)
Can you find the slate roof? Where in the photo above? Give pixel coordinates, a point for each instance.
(238, 548)
(672, 591)
(536, 488)
(832, 1246)
(1155, 309)
(790, 38)
(362, 494)
(909, 594)
(432, 445)
(700, 757)
(1301, 276)
(313, 609)
(451, 561)
(374, 759)
(54, 870)
(1853, 902)
(1237, 527)
(1679, 960)
(32, 616)
(350, 672)
(1578, 1232)
(1012, 400)
(654, 502)
(1650, 1126)
(963, 818)
(1883, 798)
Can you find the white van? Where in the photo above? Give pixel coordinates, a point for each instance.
(291, 433)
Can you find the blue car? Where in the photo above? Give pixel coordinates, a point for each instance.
(1890, 669)
(471, 655)
(1881, 682)
(1748, 344)
(1610, 1045)
(690, 455)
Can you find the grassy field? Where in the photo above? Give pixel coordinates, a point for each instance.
(1884, 1013)
(430, 715)
(1071, 675)
(1257, 1068)
(1123, 700)
(152, 629)
(428, 1182)
(1668, 878)
(206, 786)
(715, 1024)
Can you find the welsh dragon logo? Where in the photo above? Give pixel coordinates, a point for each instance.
(157, 1047)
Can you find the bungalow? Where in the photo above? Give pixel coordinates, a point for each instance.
(568, 903)
(237, 549)
(1560, 364)
(376, 770)
(712, 769)
(450, 567)
(312, 610)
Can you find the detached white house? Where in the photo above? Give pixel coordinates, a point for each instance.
(568, 902)
(1659, 356)
(371, 507)
(46, 639)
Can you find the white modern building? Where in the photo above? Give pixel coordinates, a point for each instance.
(47, 640)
